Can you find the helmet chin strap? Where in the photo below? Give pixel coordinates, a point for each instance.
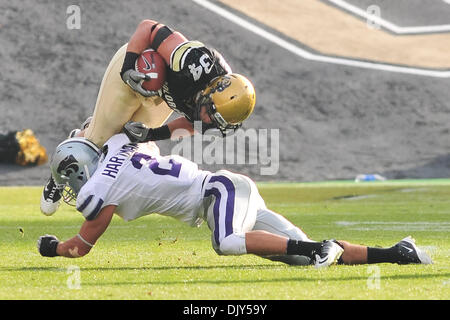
(200, 101)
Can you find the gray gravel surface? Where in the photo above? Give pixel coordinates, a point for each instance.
(334, 121)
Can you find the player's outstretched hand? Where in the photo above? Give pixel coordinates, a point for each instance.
(136, 131)
(47, 245)
(133, 78)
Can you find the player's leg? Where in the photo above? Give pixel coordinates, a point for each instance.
(229, 212)
(270, 221)
(232, 211)
(300, 249)
(353, 253)
(232, 206)
(116, 103)
(404, 252)
(153, 112)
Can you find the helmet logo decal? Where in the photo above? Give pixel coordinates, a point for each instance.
(69, 165)
(222, 84)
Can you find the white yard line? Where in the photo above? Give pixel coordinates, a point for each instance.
(73, 227)
(312, 56)
(395, 225)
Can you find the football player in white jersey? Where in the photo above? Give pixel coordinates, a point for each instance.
(133, 180)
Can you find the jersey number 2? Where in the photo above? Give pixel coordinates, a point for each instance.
(171, 168)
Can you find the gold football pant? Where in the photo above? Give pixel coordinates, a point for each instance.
(117, 104)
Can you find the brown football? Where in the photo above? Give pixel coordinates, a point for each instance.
(150, 62)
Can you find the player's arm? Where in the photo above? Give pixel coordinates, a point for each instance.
(178, 128)
(82, 243)
(148, 34)
(155, 35)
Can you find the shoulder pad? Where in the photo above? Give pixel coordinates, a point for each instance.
(178, 55)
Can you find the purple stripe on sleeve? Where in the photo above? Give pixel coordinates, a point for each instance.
(96, 210)
(85, 203)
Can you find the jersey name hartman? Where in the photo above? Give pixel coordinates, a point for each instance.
(115, 163)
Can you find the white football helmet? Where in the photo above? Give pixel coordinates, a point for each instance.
(72, 165)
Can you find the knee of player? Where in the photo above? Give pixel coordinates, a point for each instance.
(233, 244)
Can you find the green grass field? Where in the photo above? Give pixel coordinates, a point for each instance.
(159, 258)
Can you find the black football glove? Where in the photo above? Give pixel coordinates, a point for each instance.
(47, 245)
(138, 132)
(133, 78)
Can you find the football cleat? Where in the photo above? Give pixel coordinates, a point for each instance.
(410, 253)
(50, 199)
(86, 123)
(75, 132)
(328, 254)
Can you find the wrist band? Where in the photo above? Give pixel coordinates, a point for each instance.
(129, 62)
(161, 133)
(84, 241)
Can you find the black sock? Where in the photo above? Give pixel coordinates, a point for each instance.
(303, 248)
(380, 255)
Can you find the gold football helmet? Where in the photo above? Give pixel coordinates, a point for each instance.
(229, 100)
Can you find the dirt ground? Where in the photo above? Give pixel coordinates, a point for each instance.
(335, 33)
(334, 121)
